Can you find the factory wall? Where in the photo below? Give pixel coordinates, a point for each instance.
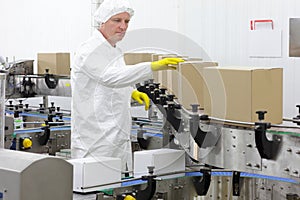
(30, 26)
(220, 27)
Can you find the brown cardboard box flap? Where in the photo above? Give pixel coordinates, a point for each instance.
(135, 58)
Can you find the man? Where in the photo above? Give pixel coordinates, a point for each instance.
(102, 87)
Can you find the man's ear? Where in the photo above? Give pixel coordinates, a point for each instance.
(101, 26)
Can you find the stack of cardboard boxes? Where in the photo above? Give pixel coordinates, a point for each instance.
(233, 93)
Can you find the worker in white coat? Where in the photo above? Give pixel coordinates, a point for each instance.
(102, 88)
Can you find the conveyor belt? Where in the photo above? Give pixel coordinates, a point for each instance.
(227, 174)
(246, 175)
(284, 133)
(38, 130)
(37, 115)
(66, 128)
(147, 121)
(152, 131)
(148, 133)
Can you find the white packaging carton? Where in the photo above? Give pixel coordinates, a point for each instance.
(163, 160)
(90, 174)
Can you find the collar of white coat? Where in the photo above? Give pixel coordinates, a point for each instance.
(97, 34)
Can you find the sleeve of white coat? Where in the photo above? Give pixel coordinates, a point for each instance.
(113, 72)
(122, 76)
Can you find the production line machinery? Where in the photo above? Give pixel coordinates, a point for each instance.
(36, 130)
(235, 160)
(213, 141)
(259, 148)
(31, 176)
(43, 129)
(219, 181)
(225, 159)
(21, 82)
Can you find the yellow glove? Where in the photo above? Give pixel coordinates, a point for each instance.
(129, 197)
(141, 98)
(166, 63)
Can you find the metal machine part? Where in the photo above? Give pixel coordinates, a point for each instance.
(225, 144)
(35, 137)
(147, 134)
(40, 130)
(223, 185)
(58, 138)
(2, 108)
(27, 176)
(236, 149)
(21, 82)
(215, 143)
(23, 86)
(21, 67)
(62, 87)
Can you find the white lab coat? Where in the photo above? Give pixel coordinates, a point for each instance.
(101, 93)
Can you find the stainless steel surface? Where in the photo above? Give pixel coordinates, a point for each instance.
(287, 163)
(77, 196)
(233, 147)
(20, 86)
(182, 188)
(27, 176)
(21, 67)
(9, 126)
(62, 89)
(236, 150)
(59, 139)
(2, 108)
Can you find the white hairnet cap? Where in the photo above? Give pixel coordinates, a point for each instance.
(109, 8)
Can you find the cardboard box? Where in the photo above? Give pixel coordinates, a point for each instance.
(89, 172)
(236, 93)
(161, 76)
(163, 160)
(188, 84)
(166, 77)
(57, 63)
(135, 58)
(156, 57)
(189, 59)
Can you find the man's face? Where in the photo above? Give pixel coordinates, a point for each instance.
(115, 28)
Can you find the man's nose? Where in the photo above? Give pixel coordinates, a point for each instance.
(123, 25)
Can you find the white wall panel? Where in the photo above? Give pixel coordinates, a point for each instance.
(223, 26)
(154, 14)
(30, 26)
